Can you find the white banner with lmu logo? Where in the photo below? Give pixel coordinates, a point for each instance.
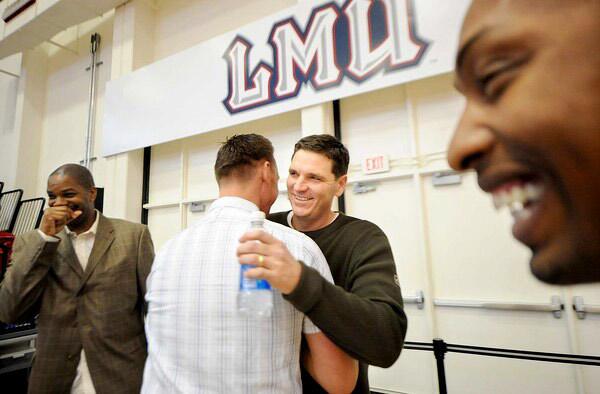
(302, 56)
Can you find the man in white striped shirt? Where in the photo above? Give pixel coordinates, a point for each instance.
(198, 341)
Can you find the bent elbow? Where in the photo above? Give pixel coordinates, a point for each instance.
(385, 356)
(350, 381)
(345, 381)
(389, 351)
(344, 387)
(389, 359)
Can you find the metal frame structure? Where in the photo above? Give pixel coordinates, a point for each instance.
(9, 206)
(28, 215)
(439, 348)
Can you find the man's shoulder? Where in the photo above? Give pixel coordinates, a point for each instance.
(293, 238)
(124, 225)
(279, 217)
(29, 236)
(351, 223)
(279, 230)
(186, 237)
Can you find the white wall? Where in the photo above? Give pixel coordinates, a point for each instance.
(435, 248)
(45, 111)
(51, 107)
(181, 24)
(8, 137)
(21, 119)
(67, 95)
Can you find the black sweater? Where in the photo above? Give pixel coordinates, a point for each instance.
(363, 312)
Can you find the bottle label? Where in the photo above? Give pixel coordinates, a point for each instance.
(252, 284)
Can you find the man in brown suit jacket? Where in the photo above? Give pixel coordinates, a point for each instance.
(85, 274)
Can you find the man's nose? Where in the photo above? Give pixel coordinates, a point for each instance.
(300, 184)
(60, 201)
(472, 139)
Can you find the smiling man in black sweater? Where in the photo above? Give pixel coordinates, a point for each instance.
(363, 312)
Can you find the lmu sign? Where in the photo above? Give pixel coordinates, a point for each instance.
(353, 41)
(308, 54)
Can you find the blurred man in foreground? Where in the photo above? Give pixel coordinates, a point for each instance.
(530, 71)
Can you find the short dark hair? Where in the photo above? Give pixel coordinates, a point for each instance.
(329, 146)
(239, 152)
(80, 174)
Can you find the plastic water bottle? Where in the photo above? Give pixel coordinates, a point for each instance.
(255, 297)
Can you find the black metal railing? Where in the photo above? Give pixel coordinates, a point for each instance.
(9, 204)
(28, 215)
(440, 348)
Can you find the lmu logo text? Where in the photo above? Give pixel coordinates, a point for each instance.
(354, 41)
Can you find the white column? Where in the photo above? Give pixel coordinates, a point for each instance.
(317, 119)
(133, 43)
(10, 82)
(20, 130)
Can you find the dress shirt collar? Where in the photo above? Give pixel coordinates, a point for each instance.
(233, 202)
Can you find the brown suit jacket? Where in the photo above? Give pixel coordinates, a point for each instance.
(99, 309)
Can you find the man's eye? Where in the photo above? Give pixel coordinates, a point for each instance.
(497, 77)
(492, 85)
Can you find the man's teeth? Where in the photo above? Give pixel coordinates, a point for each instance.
(517, 197)
(297, 197)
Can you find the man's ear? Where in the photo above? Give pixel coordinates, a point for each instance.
(341, 185)
(265, 170)
(93, 193)
(270, 170)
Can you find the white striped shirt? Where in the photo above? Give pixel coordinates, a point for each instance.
(198, 342)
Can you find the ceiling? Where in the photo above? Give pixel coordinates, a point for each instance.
(46, 18)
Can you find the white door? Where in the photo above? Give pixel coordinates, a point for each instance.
(586, 330)
(392, 206)
(449, 242)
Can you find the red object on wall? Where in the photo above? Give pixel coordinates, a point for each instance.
(11, 330)
(6, 243)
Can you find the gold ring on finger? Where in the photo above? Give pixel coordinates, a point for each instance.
(261, 260)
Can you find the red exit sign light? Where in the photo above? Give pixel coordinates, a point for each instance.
(376, 164)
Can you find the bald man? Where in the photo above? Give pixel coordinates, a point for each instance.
(85, 275)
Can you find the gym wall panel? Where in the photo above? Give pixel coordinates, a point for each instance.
(183, 23)
(67, 97)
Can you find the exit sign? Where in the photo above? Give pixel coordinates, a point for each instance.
(376, 164)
